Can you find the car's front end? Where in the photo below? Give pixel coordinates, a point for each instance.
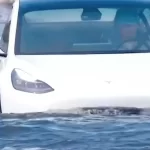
(63, 58)
(31, 86)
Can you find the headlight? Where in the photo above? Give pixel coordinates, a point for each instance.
(23, 81)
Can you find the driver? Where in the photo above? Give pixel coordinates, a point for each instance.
(128, 35)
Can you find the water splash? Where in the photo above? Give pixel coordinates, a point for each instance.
(78, 112)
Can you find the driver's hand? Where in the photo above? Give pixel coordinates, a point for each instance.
(128, 45)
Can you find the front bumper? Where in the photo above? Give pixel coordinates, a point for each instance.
(20, 102)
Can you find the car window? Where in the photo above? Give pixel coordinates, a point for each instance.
(5, 37)
(5, 14)
(5, 11)
(79, 31)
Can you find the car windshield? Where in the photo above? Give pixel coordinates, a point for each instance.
(83, 31)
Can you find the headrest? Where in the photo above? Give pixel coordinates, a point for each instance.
(126, 16)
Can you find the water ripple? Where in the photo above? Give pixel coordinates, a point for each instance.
(77, 130)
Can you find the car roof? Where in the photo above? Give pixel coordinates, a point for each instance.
(29, 5)
(77, 1)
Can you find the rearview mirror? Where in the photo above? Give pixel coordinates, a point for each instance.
(91, 14)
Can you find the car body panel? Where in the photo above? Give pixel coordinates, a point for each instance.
(80, 81)
(90, 80)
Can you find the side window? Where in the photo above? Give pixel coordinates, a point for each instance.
(5, 34)
(5, 37)
(5, 14)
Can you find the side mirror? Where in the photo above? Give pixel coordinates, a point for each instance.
(2, 54)
(1, 51)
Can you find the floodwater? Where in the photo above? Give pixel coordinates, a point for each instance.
(80, 130)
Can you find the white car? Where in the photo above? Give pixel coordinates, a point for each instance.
(62, 55)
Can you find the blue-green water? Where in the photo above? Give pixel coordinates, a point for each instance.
(78, 131)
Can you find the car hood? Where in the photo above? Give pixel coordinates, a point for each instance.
(89, 72)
